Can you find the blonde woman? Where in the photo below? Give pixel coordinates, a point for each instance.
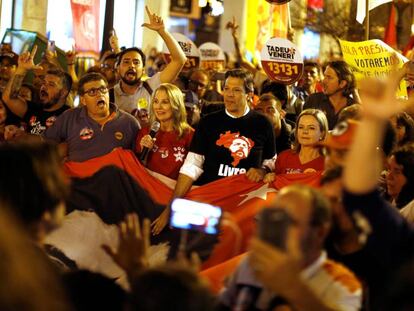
(170, 145)
(306, 156)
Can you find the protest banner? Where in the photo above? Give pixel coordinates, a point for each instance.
(373, 58)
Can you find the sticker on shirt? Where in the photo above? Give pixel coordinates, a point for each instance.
(32, 120)
(86, 133)
(37, 128)
(50, 121)
(119, 135)
(164, 152)
(239, 146)
(179, 154)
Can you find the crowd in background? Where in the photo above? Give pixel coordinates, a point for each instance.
(350, 243)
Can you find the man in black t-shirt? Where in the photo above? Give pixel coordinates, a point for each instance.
(339, 91)
(52, 95)
(228, 142)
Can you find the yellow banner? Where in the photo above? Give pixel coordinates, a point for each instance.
(373, 58)
(264, 21)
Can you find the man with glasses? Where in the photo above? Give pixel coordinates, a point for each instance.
(209, 100)
(108, 69)
(96, 127)
(52, 95)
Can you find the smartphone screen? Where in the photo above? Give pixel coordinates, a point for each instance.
(273, 226)
(192, 215)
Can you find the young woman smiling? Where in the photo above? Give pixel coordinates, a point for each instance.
(170, 145)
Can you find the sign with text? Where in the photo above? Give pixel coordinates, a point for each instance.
(372, 58)
(212, 57)
(190, 50)
(282, 61)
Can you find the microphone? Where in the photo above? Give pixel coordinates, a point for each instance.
(155, 126)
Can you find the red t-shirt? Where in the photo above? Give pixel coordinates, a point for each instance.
(168, 153)
(288, 162)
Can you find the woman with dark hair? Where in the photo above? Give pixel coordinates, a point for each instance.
(171, 143)
(306, 155)
(400, 176)
(403, 125)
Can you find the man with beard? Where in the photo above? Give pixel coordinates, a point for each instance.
(339, 91)
(96, 127)
(52, 95)
(131, 93)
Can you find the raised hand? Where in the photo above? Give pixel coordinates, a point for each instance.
(26, 60)
(132, 252)
(232, 25)
(155, 21)
(113, 42)
(379, 96)
(71, 56)
(276, 269)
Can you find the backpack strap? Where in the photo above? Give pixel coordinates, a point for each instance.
(146, 85)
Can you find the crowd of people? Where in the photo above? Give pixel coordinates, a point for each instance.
(349, 244)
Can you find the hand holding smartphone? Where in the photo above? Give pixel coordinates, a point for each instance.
(273, 226)
(192, 215)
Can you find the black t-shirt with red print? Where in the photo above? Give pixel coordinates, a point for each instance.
(232, 145)
(38, 119)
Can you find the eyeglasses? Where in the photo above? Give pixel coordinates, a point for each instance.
(94, 91)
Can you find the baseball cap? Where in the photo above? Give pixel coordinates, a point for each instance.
(342, 135)
(11, 55)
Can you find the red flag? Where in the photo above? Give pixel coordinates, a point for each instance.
(390, 36)
(85, 14)
(236, 195)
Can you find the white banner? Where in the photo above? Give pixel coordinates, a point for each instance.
(361, 10)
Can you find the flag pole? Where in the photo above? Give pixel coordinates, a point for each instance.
(366, 19)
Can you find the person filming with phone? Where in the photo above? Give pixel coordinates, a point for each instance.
(287, 265)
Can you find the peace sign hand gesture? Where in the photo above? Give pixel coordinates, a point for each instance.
(26, 62)
(156, 23)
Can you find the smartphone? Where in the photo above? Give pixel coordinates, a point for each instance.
(273, 226)
(192, 215)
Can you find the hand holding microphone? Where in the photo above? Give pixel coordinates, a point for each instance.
(147, 141)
